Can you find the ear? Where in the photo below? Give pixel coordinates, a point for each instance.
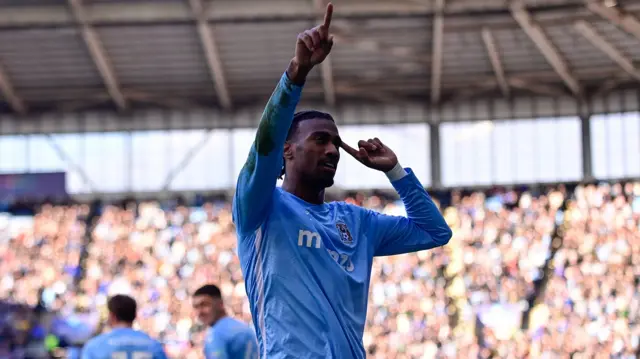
(288, 150)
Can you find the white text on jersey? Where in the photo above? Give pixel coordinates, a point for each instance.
(311, 237)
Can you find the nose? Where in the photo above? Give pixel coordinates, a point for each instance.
(331, 151)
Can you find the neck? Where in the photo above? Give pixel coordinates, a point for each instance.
(121, 325)
(216, 319)
(304, 192)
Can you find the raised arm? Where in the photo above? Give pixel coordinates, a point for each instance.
(258, 177)
(423, 228)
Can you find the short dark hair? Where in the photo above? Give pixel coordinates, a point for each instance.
(208, 290)
(299, 117)
(123, 307)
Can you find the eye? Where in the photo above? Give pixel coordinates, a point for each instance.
(320, 139)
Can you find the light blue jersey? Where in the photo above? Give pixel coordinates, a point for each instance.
(230, 339)
(307, 267)
(123, 343)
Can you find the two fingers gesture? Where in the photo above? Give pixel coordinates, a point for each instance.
(373, 154)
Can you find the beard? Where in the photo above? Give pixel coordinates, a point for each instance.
(319, 180)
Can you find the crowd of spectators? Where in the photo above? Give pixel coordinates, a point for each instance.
(538, 274)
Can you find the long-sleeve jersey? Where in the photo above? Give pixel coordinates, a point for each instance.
(307, 267)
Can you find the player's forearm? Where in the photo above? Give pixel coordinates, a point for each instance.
(261, 170)
(265, 158)
(297, 73)
(276, 118)
(420, 208)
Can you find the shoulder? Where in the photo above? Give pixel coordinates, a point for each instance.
(276, 203)
(246, 328)
(237, 328)
(143, 337)
(95, 342)
(138, 334)
(219, 333)
(351, 210)
(155, 342)
(282, 198)
(243, 335)
(158, 346)
(210, 334)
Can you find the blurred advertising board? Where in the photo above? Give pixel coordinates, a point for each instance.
(32, 186)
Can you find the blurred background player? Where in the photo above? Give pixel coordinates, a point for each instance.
(227, 338)
(123, 342)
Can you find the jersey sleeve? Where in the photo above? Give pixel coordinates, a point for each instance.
(258, 177)
(423, 228)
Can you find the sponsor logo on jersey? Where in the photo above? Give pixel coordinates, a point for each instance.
(309, 239)
(345, 235)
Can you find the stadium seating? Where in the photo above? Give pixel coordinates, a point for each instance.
(548, 273)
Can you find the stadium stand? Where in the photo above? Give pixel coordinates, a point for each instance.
(528, 273)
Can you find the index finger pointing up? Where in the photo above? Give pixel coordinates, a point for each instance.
(327, 15)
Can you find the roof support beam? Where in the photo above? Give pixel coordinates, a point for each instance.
(6, 88)
(377, 95)
(436, 61)
(228, 11)
(188, 157)
(62, 155)
(610, 85)
(537, 88)
(98, 54)
(546, 47)
(212, 54)
(624, 21)
(326, 67)
(473, 91)
(496, 63)
(224, 11)
(603, 45)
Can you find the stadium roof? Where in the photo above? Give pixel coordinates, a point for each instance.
(58, 55)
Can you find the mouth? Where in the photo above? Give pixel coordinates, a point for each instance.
(329, 166)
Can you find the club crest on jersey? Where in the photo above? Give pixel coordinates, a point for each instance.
(345, 235)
